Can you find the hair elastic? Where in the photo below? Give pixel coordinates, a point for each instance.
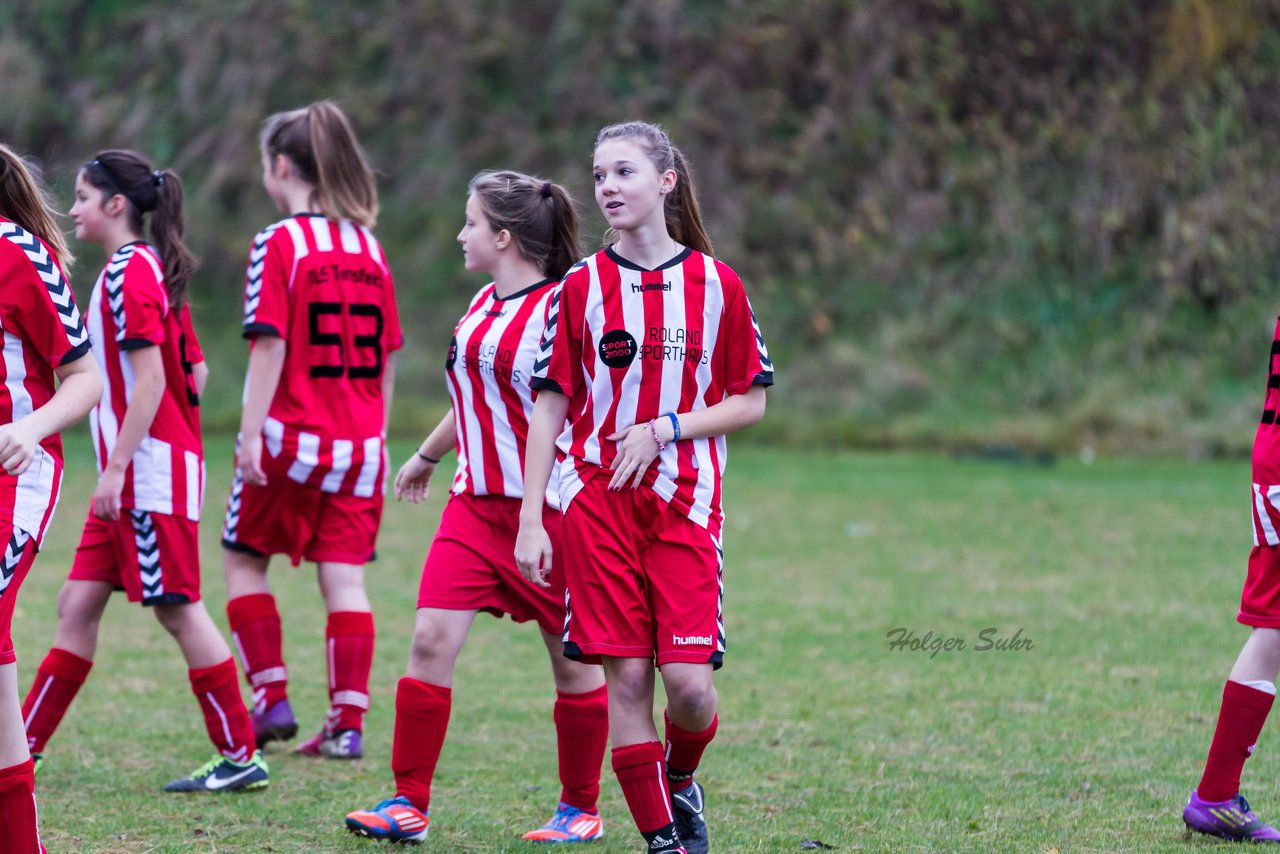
(546, 189)
(158, 177)
(431, 460)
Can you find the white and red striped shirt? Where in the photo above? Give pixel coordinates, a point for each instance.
(40, 329)
(325, 288)
(627, 345)
(128, 310)
(488, 369)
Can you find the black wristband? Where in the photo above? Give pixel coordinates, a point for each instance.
(428, 459)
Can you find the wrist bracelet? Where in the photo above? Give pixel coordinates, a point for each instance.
(653, 429)
(433, 462)
(675, 427)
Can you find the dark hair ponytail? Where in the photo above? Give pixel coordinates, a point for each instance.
(321, 144)
(540, 216)
(23, 199)
(159, 193)
(681, 211)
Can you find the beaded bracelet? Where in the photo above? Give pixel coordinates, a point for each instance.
(433, 462)
(653, 429)
(675, 426)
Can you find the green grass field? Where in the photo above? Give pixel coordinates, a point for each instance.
(1123, 575)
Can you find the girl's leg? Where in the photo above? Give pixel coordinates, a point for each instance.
(212, 673)
(255, 628)
(67, 664)
(349, 636)
(17, 776)
(1246, 700)
(582, 725)
(690, 718)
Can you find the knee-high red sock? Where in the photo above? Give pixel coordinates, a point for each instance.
(349, 636)
(18, 819)
(255, 628)
(1240, 719)
(422, 718)
(57, 681)
(582, 733)
(225, 717)
(643, 779)
(684, 751)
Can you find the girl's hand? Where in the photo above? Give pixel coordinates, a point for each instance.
(414, 479)
(533, 554)
(106, 498)
(249, 460)
(18, 442)
(636, 450)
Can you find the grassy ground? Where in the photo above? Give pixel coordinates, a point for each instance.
(1123, 575)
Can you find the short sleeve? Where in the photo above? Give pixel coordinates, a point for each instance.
(558, 366)
(43, 306)
(392, 334)
(141, 307)
(266, 288)
(745, 357)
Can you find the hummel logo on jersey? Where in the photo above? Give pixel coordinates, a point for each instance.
(497, 312)
(651, 286)
(691, 640)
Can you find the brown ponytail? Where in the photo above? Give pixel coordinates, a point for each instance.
(24, 200)
(539, 215)
(321, 144)
(129, 174)
(683, 216)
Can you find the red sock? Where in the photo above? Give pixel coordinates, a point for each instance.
(57, 681)
(1244, 711)
(684, 751)
(643, 779)
(582, 733)
(349, 636)
(255, 628)
(225, 717)
(18, 809)
(422, 717)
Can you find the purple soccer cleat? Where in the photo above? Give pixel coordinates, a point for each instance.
(343, 744)
(1227, 819)
(275, 724)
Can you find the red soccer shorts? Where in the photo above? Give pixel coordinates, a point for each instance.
(285, 517)
(153, 557)
(644, 580)
(472, 563)
(19, 552)
(1260, 600)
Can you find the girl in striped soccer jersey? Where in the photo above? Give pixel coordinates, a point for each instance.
(524, 232)
(41, 335)
(141, 534)
(653, 355)
(320, 313)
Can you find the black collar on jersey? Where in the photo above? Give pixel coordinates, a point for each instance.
(523, 291)
(308, 213)
(631, 265)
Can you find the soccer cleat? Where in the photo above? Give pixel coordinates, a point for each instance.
(1227, 819)
(396, 820)
(691, 827)
(343, 744)
(37, 760)
(220, 774)
(275, 724)
(569, 824)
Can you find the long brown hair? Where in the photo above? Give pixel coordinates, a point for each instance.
(539, 215)
(320, 142)
(24, 200)
(127, 173)
(683, 216)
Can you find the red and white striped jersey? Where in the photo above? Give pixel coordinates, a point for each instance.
(488, 369)
(1266, 456)
(40, 329)
(627, 345)
(128, 310)
(325, 288)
